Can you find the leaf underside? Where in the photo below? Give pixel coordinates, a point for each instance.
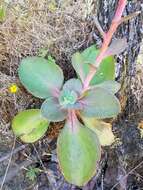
(117, 46)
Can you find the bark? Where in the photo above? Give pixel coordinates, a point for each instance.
(128, 153)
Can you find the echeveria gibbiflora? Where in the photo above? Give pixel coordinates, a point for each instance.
(78, 148)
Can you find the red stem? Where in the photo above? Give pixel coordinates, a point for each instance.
(107, 39)
(72, 119)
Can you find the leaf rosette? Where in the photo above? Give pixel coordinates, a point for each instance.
(71, 102)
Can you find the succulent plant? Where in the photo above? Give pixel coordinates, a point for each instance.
(70, 102)
(81, 102)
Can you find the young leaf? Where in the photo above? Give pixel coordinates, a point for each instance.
(52, 110)
(31, 174)
(73, 85)
(69, 100)
(116, 47)
(78, 153)
(41, 77)
(29, 125)
(102, 129)
(99, 103)
(111, 86)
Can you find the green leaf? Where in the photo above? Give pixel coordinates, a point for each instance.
(102, 129)
(70, 93)
(67, 98)
(2, 13)
(78, 152)
(52, 110)
(81, 63)
(73, 85)
(99, 103)
(89, 54)
(31, 174)
(106, 71)
(111, 86)
(41, 77)
(78, 65)
(29, 125)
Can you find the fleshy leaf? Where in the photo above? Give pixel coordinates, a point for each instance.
(81, 63)
(67, 98)
(29, 125)
(78, 65)
(89, 54)
(41, 77)
(99, 103)
(78, 150)
(111, 86)
(70, 93)
(106, 71)
(102, 129)
(73, 85)
(52, 110)
(116, 47)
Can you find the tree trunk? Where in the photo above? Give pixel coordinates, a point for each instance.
(127, 153)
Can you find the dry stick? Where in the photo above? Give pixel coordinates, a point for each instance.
(48, 177)
(129, 17)
(7, 168)
(14, 152)
(14, 171)
(127, 175)
(98, 26)
(107, 39)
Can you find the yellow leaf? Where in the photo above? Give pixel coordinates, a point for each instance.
(102, 129)
(140, 126)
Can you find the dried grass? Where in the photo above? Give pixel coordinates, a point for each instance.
(58, 27)
(34, 24)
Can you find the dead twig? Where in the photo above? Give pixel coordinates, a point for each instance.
(15, 171)
(123, 178)
(98, 26)
(7, 168)
(50, 178)
(129, 17)
(16, 150)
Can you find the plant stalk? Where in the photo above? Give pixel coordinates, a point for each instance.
(106, 41)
